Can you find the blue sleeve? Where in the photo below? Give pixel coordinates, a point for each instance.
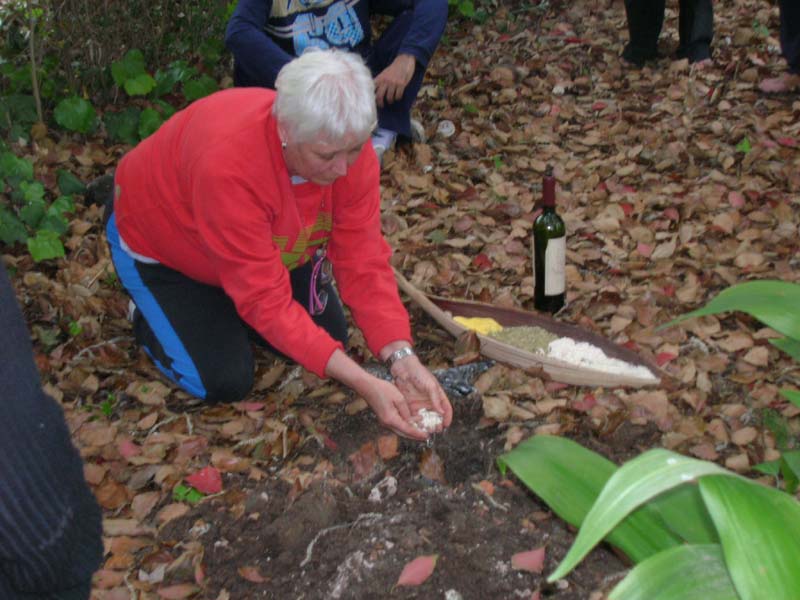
(258, 58)
(428, 23)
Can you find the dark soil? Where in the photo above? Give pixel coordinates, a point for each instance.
(331, 541)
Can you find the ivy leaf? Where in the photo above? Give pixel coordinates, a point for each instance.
(141, 85)
(13, 167)
(149, 122)
(199, 88)
(45, 245)
(123, 126)
(75, 114)
(132, 65)
(69, 184)
(11, 228)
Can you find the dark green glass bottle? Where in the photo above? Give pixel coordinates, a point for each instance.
(549, 251)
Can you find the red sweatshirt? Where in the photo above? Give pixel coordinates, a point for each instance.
(209, 195)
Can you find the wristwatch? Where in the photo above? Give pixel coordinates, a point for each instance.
(398, 354)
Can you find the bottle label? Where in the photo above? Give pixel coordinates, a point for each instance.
(554, 261)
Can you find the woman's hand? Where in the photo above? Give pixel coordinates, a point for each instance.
(390, 84)
(392, 409)
(421, 389)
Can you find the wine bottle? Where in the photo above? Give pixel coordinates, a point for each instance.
(549, 251)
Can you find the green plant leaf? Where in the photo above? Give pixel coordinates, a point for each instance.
(760, 532)
(75, 114)
(32, 191)
(69, 184)
(790, 469)
(11, 228)
(132, 65)
(634, 483)
(789, 346)
(149, 122)
(693, 572)
(45, 245)
(684, 513)
(569, 478)
(744, 146)
(33, 212)
(792, 396)
(774, 303)
(13, 167)
(199, 88)
(141, 85)
(123, 126)
(186, 493)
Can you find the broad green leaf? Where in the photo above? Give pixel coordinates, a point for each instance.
(75, 114)
(792, 396)
(149, 122)
(32, 191)
(789, 346)
(771, 467)
(11, 228)
(123, 126)
(790, 469)
(693, 572)
(569, 478)
(14, 167)
(744, 146)
(684, 513)
(199, 88)
(759, 528)
(33, 212)
(69, 184)
(18, 108)
(45, 245)
(774, 303)
(139, 85)
(636, 482)
(132, 65)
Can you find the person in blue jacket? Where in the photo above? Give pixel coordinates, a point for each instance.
(264, 35)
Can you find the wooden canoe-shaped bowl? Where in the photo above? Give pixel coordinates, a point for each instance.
(443, 310)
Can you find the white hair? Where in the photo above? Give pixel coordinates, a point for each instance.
(325, 94)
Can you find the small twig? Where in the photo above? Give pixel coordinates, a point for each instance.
(491, 500)
(99, 345)
(166, 421)
(372, 517)
(189, 425)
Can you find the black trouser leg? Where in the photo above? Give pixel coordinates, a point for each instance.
(645, 19)
(790, 33)
(696, 29)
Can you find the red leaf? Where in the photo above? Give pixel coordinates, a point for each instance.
(599, 105)
(669, 290)
(736, 199)
(586, 404)
(532, 561)
(252, 574)
(663, 358)
(672, 213)
(482, 261)
(644, 249)
(418, 570)
(250, 406)
(207, 480)
(627, 208)
(788, 142)
(127, 448)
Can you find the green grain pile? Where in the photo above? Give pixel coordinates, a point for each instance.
(530, 338)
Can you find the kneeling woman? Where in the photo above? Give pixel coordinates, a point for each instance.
(225, 223)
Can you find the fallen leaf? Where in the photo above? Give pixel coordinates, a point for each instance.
(251, 574)
(418, 570)
(431, 466)
(364, 460)
(178, 592)
(207, 480)
(532, 560)
(387, 446)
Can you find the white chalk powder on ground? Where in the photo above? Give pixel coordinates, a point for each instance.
(430, 420)
(587, 355)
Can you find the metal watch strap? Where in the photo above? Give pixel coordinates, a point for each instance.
(398, 354)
